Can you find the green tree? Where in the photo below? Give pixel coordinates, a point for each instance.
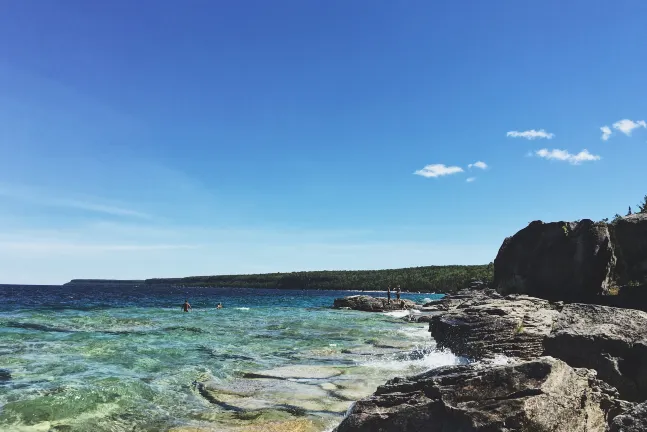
(643, 206)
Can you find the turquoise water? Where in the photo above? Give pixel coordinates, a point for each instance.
(75, 359)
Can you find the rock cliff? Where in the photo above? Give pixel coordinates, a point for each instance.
(574, 261)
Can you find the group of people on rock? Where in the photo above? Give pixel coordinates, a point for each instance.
(397, 295)
(187, 307)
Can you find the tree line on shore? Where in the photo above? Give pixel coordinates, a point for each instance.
(439, 279)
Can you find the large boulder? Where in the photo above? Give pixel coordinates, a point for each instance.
(570, 261)
(372, 304)
(544, 394)
(612, 341)
(630, 241)
(485, 326)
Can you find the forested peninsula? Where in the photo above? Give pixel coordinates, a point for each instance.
(440, 279)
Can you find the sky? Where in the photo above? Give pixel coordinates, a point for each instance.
(173, 138)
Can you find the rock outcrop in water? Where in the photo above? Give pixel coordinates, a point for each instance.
(575, 261)
(544, 394)
(372, 304)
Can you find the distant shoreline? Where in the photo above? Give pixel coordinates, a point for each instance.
(429, 279)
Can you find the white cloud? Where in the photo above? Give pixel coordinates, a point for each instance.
(626, 126)
(479, 164)
(564, 155)
(606, 132)
(438, 170)
(531, 134)
(470, 179)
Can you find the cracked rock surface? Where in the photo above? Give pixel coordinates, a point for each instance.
(544, 394)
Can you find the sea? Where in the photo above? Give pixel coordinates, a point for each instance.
(76, 358)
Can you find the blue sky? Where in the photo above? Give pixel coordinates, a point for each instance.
(157, 138)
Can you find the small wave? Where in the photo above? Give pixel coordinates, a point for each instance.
(38, 327)
(242, 308)
(418, 333)
(186, 329)
(417, 360)
(397, 314)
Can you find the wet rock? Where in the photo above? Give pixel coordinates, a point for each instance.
(612, 341)
(372, 304)
(544, 394)
(485, 326)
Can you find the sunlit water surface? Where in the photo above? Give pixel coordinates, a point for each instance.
(80, 359)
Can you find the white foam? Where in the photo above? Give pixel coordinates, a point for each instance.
(422, 360)
(397, 314)
(416, 332)
(242, 308)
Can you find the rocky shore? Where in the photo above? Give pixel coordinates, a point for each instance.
(574, 360)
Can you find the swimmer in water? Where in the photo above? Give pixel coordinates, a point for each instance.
(186, 306)
(219, 306)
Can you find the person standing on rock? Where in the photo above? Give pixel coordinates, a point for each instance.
(397, 293)
(388, 294)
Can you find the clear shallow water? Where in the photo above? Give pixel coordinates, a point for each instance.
(76, 359)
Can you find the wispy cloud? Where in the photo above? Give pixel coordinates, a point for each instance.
(470, 179)
(67, 247)
(606, 133)
(479, 164)
(626, 126)
(34, 196)
(531, 134)
(564, 155)
(438, 170)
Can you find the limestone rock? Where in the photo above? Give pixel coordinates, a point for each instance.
(483, 327)
(630, 235)
(544, 394)
(633, 420)
(569, 261)
(372, 304)
(612, 341)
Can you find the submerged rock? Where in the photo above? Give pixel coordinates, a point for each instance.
(485, 326)
(5, 375)
(612, 341)
(372, 304)
(298, 372)
(539, 395)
